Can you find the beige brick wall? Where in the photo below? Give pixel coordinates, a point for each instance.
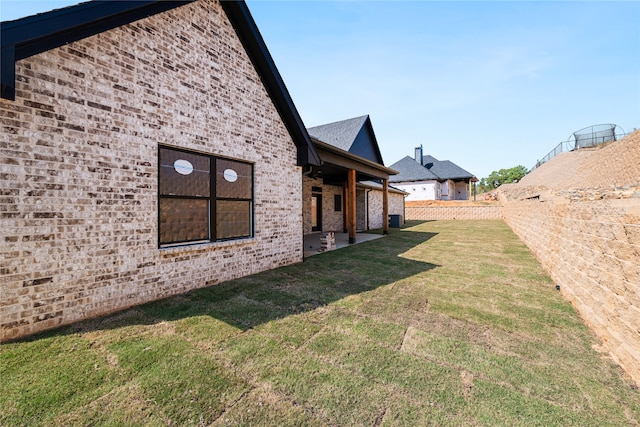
(334, 221)
(430, 213)
(362, 209)
(78, 168)
(331, 220)
(588, 238)
(396, 207)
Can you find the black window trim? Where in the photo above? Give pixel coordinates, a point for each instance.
(212, 199)
(337, 202)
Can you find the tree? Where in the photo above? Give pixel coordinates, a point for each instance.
(503, 176)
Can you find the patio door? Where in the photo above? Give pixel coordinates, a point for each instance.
(316, 212)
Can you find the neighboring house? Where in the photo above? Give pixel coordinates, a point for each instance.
(149, 148)
(343, 146)
(427, 178)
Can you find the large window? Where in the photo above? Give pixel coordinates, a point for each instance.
(203, 198)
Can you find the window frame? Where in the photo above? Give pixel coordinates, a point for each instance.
(212, 199)
(337, 202)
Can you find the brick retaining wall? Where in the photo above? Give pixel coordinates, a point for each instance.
(589, 242)
(430, 213)
(579, 214)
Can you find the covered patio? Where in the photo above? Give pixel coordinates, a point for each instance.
(335, 198)
(343, 170)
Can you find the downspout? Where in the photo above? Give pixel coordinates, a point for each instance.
(367, 207)
(404, 208)
(304, 173)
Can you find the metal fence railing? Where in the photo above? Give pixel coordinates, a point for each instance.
(587, 137)
(561, 147)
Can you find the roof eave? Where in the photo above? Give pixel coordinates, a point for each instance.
(399, 179)
(31, 35)
(390, 188)
(328, 147)
(458, 178)
(247, 30)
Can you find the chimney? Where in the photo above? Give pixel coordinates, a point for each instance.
(418, 154)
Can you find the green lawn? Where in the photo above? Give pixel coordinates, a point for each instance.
(447, 323)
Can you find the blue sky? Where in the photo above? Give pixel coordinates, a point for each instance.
(487, 85)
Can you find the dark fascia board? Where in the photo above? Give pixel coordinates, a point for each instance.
(28, 36)
(247, 30)
(35, 34)
(339, 157)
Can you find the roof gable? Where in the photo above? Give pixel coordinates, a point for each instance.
(354, 135)
(35, 34)
(340, 134)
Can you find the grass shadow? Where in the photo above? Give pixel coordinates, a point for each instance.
(253, 300)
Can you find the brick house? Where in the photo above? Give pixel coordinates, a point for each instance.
(148, 148)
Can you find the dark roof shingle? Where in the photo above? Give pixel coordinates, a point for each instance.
(446, 169)
(410, 170)
(433, 169)
(340, 134)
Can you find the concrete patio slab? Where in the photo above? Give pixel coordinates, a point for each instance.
(312, 241)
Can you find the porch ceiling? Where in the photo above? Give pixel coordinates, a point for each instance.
(336, 175)
(336, 163)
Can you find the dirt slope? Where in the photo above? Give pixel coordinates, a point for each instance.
(616, 163)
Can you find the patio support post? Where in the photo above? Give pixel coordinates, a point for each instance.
(351, 205)
(385, 206)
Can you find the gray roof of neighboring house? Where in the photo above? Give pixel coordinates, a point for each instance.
(429, 159)
(433, 169)
(446, 169)
(410, 170)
